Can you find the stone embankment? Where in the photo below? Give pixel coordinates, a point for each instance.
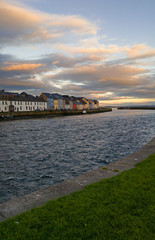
(37, 198)
(41, 114)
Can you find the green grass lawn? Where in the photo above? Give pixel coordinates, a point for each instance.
(121, 207)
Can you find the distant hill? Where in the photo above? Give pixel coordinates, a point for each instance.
(149, 107)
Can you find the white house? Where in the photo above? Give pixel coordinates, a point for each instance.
(20, 103)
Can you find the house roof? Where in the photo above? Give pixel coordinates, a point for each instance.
(76, 103)
(24, 94)
(19, 97)
(50, 96)
(3, 93)
(25, 99)
(54, 96)
(58, 96)
(83, 102)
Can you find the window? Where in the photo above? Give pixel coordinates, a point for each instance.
(5, 102)
(2, 102)
(18, 103)
(10, 103)
(15, 103)
(21, 108)
(26, 107)
(5, 108)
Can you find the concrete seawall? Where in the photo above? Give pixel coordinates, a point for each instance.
(18, 205)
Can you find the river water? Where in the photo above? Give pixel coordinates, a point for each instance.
(40, 152)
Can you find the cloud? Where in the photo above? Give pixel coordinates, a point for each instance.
(136, 50)
(140, 51)
(77, 76)
(78, 62)
(73, 23)
(127, 101)
(93, 50)
(20, 25)
(107, 75)
(21, 67)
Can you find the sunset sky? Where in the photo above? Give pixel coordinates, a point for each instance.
(100, 49)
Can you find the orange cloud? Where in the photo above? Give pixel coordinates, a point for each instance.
(21, 24)
(105, 74)
(122, 75)
(75, 23)
(136, 50)
(55, 62)
(140, 51)
(90, 50)
(15, 18)
(21, 67)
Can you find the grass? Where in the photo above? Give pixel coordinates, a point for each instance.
(104, 168)
(121, 208)
(115, 170)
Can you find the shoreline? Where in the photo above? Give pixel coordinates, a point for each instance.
(21, 204)
(8, 116)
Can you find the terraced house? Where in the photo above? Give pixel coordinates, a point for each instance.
(86, 103)
(68, 102)
(23, 102)
(14, 102)
(96, 104)
(54, 101)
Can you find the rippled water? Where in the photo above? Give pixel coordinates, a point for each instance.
(40, 152)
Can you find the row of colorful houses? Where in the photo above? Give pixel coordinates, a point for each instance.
(56, 101)
(23, 102)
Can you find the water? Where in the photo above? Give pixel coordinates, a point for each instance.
(40, 152)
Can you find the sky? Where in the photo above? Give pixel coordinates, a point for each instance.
(98, 49)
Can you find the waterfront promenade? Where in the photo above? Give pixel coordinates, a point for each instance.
(18, 205)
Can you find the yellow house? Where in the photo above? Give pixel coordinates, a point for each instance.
(86, 105)
(91, 104)
(55, 104)
(96, 103)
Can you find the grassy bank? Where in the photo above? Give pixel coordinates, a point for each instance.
(116, 208)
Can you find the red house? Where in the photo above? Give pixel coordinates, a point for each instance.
(74, 106)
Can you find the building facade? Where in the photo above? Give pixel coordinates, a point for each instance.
(23, 102)
(20, 103)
